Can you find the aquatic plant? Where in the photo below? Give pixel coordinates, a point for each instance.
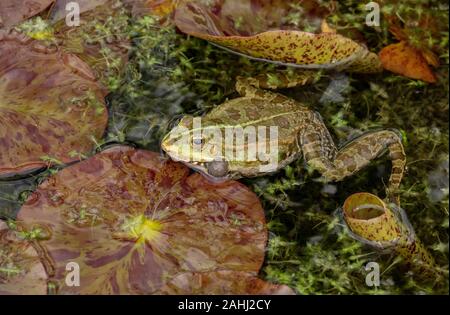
(101, 40)
(51, 107)
(21, 270)
(222, 283)
(417, 32)
(133, 221)
(13, 12)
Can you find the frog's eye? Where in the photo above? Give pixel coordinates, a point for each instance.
(198, 141)
(217, 168)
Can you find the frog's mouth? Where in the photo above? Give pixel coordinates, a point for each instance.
(204, 169)
(214, 169)
(196, 166)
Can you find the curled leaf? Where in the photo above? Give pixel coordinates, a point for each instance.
(222, 283)
(21, 271)
(403, 59)
(51, 108)
(13, 12)
(269, 41)
(133, 221)
(382, 227)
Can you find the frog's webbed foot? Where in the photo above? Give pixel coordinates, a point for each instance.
(356, 155)
(277, 80)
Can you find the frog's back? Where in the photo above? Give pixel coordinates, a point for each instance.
(287, 115)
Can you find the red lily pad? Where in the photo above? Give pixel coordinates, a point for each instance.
(13, 12)
(51, 108)
(222, 283)
(21, 271)
(260, 30)
(133, 221)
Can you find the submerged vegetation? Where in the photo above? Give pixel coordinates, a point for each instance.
(170, 74)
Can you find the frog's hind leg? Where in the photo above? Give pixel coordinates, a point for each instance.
(279, 80)
(245, 88)
(355, 155)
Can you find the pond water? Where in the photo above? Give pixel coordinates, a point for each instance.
(169, 75)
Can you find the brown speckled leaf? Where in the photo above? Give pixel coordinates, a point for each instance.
(13, 12)
(403, 59)
(101, 39)
(222, 283)
(133, 221)
(270, 41)
(50, 105)
(21, 271)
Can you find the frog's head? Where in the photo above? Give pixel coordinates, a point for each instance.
(197, 146)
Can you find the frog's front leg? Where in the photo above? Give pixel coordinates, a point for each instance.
(335, 165)
(279, 80)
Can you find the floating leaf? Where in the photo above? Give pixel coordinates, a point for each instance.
(132, 221)
(13, 12)
(222, 283)
(385, 228)
(21, 271)
(269, 41)
(50, 105)
(403, 59)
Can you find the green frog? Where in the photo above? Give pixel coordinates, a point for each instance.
(212, 143)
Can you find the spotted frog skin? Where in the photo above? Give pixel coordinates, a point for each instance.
(301, 132)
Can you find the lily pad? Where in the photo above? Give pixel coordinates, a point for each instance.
(223, 23)
(21, 271)
(13, 12)
(51, 108)
(222, 283)
(132, 221)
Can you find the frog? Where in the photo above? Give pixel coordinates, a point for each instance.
(200, 142)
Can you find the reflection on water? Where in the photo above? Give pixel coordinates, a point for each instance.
(438, 182)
